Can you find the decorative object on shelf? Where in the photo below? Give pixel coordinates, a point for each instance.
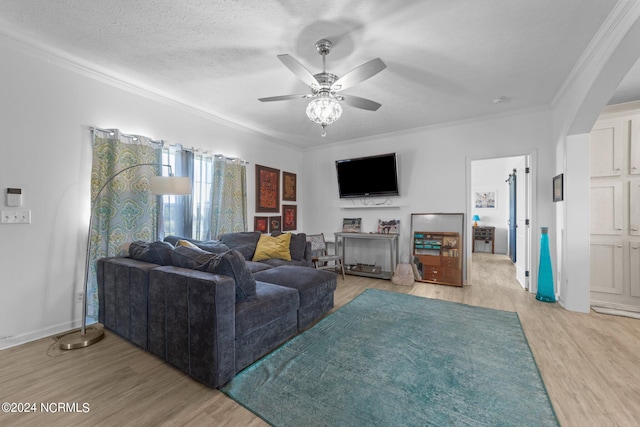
(558, 188)
(351, 225)
(545, 275)
(289, 186)
(475, 219)
(261, 224)
(325, 109)
(267, 189)
(160, 185)
(484, 199)
(388, 226)
(289, 217)
(275, 223)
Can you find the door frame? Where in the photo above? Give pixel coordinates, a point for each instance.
(532, 208)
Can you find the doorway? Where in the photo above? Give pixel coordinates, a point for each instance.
(508, 181)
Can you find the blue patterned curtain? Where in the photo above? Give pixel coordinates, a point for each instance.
(125, 210)
(229, 196)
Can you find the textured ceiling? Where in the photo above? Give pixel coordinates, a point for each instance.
(446, 60)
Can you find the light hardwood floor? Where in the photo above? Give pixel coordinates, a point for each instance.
(590, 364)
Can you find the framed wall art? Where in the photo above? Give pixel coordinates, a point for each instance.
(267, 189)
(289, 186)
(275, 223)
(558, 188)
(261, 224)
(484, 199)
(289, 217)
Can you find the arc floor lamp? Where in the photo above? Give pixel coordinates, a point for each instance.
(160, 185)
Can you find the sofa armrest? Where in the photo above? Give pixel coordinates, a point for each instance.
(192, 322)
(122, 297)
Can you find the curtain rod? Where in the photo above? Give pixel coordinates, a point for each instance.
(162, 143)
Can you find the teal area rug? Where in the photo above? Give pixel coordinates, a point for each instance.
(389, 359)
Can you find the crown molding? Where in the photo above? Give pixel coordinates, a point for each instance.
(76, 65)
(615, 27)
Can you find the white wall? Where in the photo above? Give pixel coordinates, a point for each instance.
(433, 171)
(45, 114)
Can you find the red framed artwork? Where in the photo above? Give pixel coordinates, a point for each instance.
(275, 223)
(261, 224)
(267, 189)
(289, 217)
(289, 186)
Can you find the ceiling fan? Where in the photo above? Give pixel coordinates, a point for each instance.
(325, 108)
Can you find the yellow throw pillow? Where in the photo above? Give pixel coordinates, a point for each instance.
(186, 243)
(273, 247)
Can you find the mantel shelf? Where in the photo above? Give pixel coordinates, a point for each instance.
(371, 207)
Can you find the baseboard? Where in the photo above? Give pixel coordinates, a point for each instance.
(616, 309)
(13, 341)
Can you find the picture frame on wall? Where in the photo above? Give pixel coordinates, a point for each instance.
(261, 224)
(351, 225)
(558, 188)
(484, 199)
(267, 189)
(289, 186)
(289, 217)
(275, 223)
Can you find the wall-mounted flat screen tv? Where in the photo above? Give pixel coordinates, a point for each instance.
(372, 176)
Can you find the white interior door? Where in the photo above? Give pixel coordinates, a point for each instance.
(522, 228)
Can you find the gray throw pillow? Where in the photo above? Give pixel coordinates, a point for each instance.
(153, 252)
(296, 246)
(244, 242)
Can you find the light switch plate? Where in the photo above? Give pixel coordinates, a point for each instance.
(16, 217)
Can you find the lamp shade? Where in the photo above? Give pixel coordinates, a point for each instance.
(476, 218)
(170, 185)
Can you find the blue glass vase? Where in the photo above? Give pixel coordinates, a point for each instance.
(545, 274)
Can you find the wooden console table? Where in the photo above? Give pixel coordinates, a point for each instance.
(486, 235)
(391, 240)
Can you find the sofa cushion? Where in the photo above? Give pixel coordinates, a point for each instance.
(244, 242)
(213, 246)
(270, 303)
(153, 252)
(311, 284)
(297, 246)
(254, 267)
(273, 247)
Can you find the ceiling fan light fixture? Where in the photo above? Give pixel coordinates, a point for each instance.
(324, 110)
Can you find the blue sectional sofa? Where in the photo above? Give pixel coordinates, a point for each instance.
(207, 313)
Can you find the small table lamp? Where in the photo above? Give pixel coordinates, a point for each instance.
(476, 218)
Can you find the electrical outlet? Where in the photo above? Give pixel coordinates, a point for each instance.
(16, 217)
(80, 296)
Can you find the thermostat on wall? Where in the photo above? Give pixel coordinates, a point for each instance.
(14, 196)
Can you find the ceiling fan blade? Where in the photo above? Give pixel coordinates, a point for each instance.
(356, 101)
(298, 69)
(359, 74)
(283, 98)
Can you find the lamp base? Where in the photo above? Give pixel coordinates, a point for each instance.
(475, 224)
(80, 340)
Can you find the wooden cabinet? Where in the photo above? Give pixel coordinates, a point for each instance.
(438, 256)
(486, 235)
